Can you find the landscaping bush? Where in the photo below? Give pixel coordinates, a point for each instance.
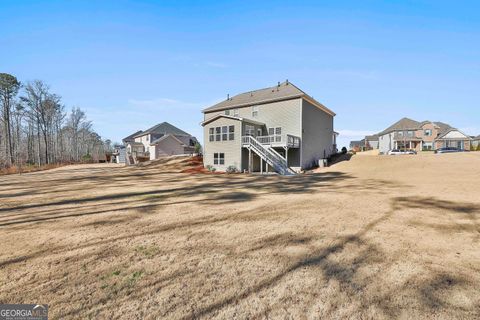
(211, 168)
(344, 150)
(232, 169)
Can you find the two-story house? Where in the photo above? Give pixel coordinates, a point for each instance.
(158, 141)
(280, 129)
(427, 135)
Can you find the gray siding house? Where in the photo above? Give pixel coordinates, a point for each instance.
(280, 129)
(158, 141)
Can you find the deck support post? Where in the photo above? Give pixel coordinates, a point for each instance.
(249, 160)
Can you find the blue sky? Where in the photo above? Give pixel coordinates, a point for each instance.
(132, 64)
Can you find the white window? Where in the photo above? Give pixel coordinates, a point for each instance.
(428, 132)
(211, 134)
(231, 132)
(218, 136)
(235, 112)
(278, 134)
(227, 112)
(224, 133)
(249, 130)
(219, 158)
(254, 111)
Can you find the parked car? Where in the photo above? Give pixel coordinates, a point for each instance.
(448, 150)
(396, 152)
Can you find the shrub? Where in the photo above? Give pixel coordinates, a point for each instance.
(87, 158)
(211, 168)
(344, 150)
(232, 169)
(198, 148)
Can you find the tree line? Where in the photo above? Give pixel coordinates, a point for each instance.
(35, 129)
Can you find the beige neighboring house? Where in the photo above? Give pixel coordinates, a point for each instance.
(279, 128)
(476, 142)
(427, 135)
(159, 141)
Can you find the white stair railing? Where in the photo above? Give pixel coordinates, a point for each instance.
(268, 154)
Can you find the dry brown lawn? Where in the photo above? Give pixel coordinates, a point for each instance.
(376, 237)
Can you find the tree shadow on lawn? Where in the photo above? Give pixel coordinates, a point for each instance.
(427, 293)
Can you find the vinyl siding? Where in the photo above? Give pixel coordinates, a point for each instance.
(231, 148)
(316, 136)
(285, 114)
(385, 143)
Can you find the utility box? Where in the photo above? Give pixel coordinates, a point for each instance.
(322, 163)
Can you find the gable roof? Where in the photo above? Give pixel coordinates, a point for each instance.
(230, 117)
(402, 124)
(444, 127)
(442, 135)
(164, 128)
(131, 137)
(283, 91)
(373, 137)
(166, 137)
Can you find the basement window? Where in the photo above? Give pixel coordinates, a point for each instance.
(219, 158)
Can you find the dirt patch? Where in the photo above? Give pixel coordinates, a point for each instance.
(371, 238)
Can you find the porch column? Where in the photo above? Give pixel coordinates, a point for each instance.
(286, 155)
(261, 165)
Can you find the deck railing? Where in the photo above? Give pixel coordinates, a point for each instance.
(286, 140)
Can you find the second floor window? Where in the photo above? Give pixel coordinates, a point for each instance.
(218, 135)
(224, 133)
(428, 132)
(227, 112)
(235, 112)
(211, 134)
(231, 132)
(254, 111)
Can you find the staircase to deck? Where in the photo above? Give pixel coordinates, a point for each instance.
(268, 154)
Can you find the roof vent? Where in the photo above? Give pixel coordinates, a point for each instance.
(278, 86)
(286, 82)
(228, 96)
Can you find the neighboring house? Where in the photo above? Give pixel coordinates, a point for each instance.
(426, 135)
(476, 142)
(119, 154)
(357, 146)
(371, 142)
(160, 140)
(280, 129)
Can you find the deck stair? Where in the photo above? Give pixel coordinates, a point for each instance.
(268, 154)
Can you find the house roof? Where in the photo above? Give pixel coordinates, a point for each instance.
(402, 124)
(131, 137)
(373, 137)
(442, 135)
(476, 138)
(166, 137)
(444, 127)
(282, 91)
(165, 128)
(230, 117)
